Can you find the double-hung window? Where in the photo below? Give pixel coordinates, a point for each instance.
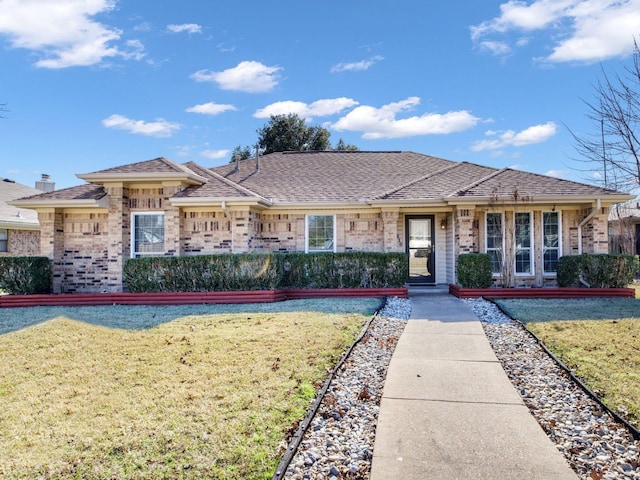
(495, 237)
(147, 237)
(550, 241)
(4, 240)
(321, 233)
(523, 243)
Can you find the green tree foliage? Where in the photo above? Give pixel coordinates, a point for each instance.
(341, 146)
(285, 133)
(241, 152)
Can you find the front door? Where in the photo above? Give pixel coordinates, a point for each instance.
(421, 249)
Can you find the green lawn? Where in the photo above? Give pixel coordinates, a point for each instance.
(599, 339)
(163, 392)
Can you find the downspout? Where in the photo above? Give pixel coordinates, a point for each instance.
(224, 208)
(586, 220)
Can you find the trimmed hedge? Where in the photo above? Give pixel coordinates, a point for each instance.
(598, 270)
(345, 270)
(203, 273)
(25, 275)
(474, 270)
(268, 271)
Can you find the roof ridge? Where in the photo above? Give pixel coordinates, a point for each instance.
(477, 182)
(414, 181)
(231, 183)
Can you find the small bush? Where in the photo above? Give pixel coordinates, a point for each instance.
(474, 270)
(25, 275)
(568, 270)
(598, 270)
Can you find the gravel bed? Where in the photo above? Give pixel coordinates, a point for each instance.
(339, 441)
(595, 445)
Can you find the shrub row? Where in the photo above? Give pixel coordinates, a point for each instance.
(269, 271)
(599, 271)
(474, 270)
(25, 275)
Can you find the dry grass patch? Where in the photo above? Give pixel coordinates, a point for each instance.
(598, 339)
(206, 396)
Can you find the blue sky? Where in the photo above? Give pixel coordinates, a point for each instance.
(92, 84)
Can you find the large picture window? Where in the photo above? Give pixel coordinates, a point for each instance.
(321, 233)
(550, 241)
(494, 233)
(4, 240)
(523, 243)
(147, 234)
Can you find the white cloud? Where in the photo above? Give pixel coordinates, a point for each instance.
(158, 128)
(215, 154)
(210, 108)
(356, 66)
(185, 27)
(247, 76)
(556, 173)
(62, 32)
(319, 108)
(534, 134)
(582, 30)
(381, 122)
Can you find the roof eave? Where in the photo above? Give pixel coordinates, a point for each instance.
(35, 204)
(8, 224)
(539, 199)
(218, 201)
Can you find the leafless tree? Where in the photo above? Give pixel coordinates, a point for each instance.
(613, 148)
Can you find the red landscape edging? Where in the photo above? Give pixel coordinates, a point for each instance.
(185, 298)
(549, 292)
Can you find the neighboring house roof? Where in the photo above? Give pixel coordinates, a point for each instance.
(629, 210)
(12, 216)
(333, 178)
(86, 195)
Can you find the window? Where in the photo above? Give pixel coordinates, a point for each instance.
(321, 233)
(148, 234)
(550, 241)
(523, 243)
(4, 240)
(494, 240)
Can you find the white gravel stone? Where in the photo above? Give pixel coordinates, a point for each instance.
(341, 435)
(594, 444)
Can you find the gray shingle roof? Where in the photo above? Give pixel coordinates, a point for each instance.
(303, 177)
(15, 216)
(157, 165)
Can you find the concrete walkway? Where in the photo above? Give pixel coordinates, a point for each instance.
(448, 410)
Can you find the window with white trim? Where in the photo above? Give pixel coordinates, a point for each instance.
(147, 234)
(4, 240)
(523, 243)
(551, 241)
(320, 233)
(494, 240)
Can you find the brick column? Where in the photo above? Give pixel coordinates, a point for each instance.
(390, 230)
(239, 230)
(118, 232)
(600, 231)
(52, 242)
(464, 239)
(172, 222)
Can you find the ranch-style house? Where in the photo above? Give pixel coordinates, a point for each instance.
(324, 201)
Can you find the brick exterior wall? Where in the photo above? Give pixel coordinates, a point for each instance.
(89, 248)
(21, 243)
